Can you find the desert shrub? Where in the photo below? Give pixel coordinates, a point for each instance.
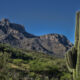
(4, 73)
(17, 61)
(66, 76)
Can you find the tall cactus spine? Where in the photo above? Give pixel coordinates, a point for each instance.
(78, 51)
(73, 55)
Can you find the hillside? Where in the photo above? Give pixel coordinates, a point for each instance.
(29, 65)
(16, 35)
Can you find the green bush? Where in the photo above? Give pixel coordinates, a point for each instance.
(66, 76)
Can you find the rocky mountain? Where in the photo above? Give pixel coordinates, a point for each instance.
(16, 35)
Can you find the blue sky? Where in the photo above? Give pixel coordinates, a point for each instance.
(42, 16)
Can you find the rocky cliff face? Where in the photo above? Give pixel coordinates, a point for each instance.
(16, 35)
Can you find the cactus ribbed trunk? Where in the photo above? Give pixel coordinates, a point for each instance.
(73, 55)
(78, 62)
(78, 52)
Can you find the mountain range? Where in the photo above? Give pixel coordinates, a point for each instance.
(16, 36)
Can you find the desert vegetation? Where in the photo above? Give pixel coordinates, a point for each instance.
(18, 64)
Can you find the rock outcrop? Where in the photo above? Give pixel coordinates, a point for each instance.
(16, 35)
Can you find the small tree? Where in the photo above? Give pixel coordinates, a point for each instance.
(4, 73)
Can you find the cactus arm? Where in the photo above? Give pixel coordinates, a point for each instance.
(71, 58)
(67, 63)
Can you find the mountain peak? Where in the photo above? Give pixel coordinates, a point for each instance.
(5, 20)
(18, 30)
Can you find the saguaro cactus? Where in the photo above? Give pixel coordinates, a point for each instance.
(73, 55)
